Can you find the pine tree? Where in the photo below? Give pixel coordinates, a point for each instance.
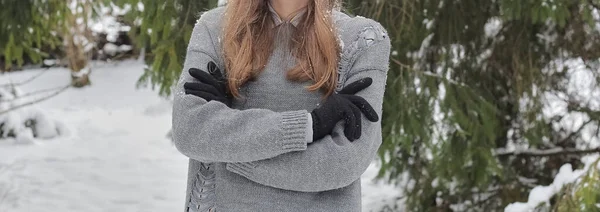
(163, 29)
(32, 28)
(470, 81)
(28, 30)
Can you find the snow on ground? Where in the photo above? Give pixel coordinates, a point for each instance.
(377, 194)
(116, 157)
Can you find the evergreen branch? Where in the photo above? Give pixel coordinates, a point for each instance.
(552, 151)
(173, 36)
(36, 101)
(429, 74)
(545, 152)
(488, 198)
(594, 5)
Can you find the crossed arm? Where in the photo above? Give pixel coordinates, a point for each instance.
(270, 147)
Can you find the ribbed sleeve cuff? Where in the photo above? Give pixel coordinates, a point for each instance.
(294, 130)
(244, 169)
(309, 129)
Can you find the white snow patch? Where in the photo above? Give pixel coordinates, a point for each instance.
(377, 194)
(428, 23)
(424, 45)
(21, 124)
(341, 43)
(580, 87)
(492, 27)
(107, 21)
(140, 6)
(110, 49)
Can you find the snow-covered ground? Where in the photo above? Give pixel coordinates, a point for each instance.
(115, 158)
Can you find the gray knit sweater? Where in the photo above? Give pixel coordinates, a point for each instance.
(255, 156)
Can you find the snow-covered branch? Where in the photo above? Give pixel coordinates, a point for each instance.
(429, 74)
(36, 101)
(543, 194)
(25, 81)
(33, 93)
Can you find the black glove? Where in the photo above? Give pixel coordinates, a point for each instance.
(346, 106)
(212, 85)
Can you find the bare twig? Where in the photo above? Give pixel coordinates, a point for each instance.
(546, 152)
(529, 182)
(572, 134)
(429, 74)
(26, 81)
(552, 151)
(399, 63)
(36, 101)
(36, 92)
(5, 195)
(488, 198)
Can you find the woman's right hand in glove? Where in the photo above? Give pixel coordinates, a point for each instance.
(211, 84)
(346, 106)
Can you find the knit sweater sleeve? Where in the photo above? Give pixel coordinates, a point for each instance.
(333, 162)
(212, 132)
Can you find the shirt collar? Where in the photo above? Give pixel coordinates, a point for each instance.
(294, 21)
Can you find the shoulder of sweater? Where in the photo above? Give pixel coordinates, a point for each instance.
(208, 26)
(357, 34)
(365, 45)
(358, 29)
(212, 18)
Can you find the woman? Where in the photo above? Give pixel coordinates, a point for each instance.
(278, 106)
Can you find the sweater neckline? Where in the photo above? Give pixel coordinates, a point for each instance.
(295, 20)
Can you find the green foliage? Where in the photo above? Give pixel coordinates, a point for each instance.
(163, 28)
(29, 29)
(459, 92)
(581, 196)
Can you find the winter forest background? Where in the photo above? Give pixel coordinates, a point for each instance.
(491, 105)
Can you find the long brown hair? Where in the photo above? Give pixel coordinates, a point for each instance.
(248, 42)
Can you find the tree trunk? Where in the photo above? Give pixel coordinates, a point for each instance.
(78, 37)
